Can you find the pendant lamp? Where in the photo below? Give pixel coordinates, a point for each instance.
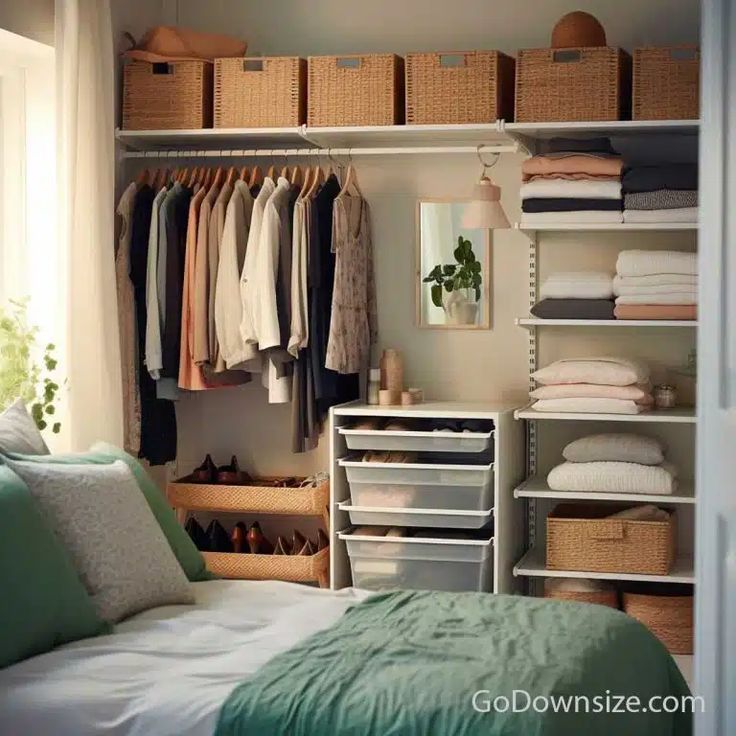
(484, 211)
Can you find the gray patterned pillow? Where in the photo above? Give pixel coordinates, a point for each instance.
(118, 548)
(18, 431)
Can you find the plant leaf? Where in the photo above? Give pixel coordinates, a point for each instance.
(436, 292)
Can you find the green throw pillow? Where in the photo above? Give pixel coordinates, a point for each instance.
(102, 453)
(44, 603)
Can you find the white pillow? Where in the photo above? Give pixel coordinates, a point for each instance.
(615, 447)
(607, 371)
(613, 477)
(19, 433)
(102, 518)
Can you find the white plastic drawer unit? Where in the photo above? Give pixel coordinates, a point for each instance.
(420, 563)
(420, 486)
(444, 518)
(446, 441)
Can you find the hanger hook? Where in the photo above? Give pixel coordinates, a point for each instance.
(483, 163)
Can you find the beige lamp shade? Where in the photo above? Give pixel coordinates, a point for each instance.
(484, 211)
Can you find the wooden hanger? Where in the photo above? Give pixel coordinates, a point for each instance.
(271, 173)
(162, 177)
(193, 178)
(307, 182)
(296, 176)
(256, 176)
(317, 179)
(244, 174)
(143, 178)
(351, 181)
(207, 178)
(284, 172)
(219, 176)
(232, 175)
(183, 175)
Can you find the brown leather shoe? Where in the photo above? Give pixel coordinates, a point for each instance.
(206, 472)
(239, 537)
(257, 542)
(298, 540)
(307, 550)
(323, 541)
(281, 547)
(231, 475)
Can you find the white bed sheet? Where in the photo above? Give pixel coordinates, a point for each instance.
(165, 672)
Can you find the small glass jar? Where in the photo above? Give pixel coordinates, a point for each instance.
(374, 385)
(665, 396)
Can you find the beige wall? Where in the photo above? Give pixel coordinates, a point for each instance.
(30, 18)
(448, 364)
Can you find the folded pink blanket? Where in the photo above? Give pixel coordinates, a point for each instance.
(656, 311)
(588, 406)
(576, 163)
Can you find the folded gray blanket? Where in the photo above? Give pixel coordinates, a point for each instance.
(574, 309)
(661, 199)
(665, 176)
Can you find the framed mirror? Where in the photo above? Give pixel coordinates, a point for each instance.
(453, 271)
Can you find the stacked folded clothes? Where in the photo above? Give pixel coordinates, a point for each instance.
(614, 463)
(660, 284)
(593, 386)
(576, 295)
(577, 181)
(665, 193)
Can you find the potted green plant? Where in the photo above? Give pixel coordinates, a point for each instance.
(21, 376)
(456, 286)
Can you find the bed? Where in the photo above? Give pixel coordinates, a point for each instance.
(273, 658)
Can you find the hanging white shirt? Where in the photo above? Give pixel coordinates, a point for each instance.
(248, 295)
(154, 358)
(299, 333)
(228, 304)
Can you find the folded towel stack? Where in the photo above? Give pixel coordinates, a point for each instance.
(614, 463)
(576, 295)
(665, 193)
(593, 386)
(576, 181)
(659, 284)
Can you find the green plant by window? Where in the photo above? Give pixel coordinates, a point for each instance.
(465, 274)
(21, 376)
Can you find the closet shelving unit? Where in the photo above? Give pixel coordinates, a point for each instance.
(534, 491)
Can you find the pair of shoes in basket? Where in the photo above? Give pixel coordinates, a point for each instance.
(300, 545)
(228, 475)
(212, 539)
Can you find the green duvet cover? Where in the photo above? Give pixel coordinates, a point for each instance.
(416, 663)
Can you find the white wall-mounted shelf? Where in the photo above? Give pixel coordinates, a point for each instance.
(614, 128)
(530, 322)
(680, 415)
(532, 564)
(537, 487)
(614, 227)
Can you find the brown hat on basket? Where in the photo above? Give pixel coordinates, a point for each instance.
(169, 43)
(576, 30)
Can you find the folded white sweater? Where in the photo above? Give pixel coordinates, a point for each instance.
(588, 406)
(673, 297)
(588, 217)
(614, 477)
(650, 262)
(656, 279)
(567, 188)
(625, 290)
(578, 285)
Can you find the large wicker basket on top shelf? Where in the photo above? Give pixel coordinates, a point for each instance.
(295, 568)
(260, 92)
(263, 499)
(580, 538)
(666, 83)
(168, 96)
(358, 89)
(459, 87)
(555, 85)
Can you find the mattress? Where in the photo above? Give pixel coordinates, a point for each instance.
(166, 671)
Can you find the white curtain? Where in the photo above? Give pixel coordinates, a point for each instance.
(85, 99)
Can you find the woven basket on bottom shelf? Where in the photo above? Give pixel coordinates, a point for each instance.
(167, 96)
(579, 538)
(572, 84)
(602, 597)
(669, 618)
(666, 83)
(293, 568)
(311, 501)
(357, 89)
(459, 87)
(260, 92)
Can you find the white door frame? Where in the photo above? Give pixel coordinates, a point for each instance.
(715, 640)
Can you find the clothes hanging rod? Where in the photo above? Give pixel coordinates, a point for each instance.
(303, 152)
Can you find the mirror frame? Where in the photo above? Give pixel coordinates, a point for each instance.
(485, 257)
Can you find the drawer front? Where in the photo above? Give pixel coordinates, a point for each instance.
(365, 439)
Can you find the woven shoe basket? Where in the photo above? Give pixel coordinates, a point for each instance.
(602, 598)
(573, 84)
(459, 87)
(168, 96)
(666, 83)
(668, 617)
(365, 89)
(260, 92)
(578, 538)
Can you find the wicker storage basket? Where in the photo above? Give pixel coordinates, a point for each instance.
(295, 568)
(666, 83)
(668, 617)
(260, 92)
(363, 89)
(459, 87)
(184, 494)
(572, 84)
(167, 96)
(578, 538)
(602, 598)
